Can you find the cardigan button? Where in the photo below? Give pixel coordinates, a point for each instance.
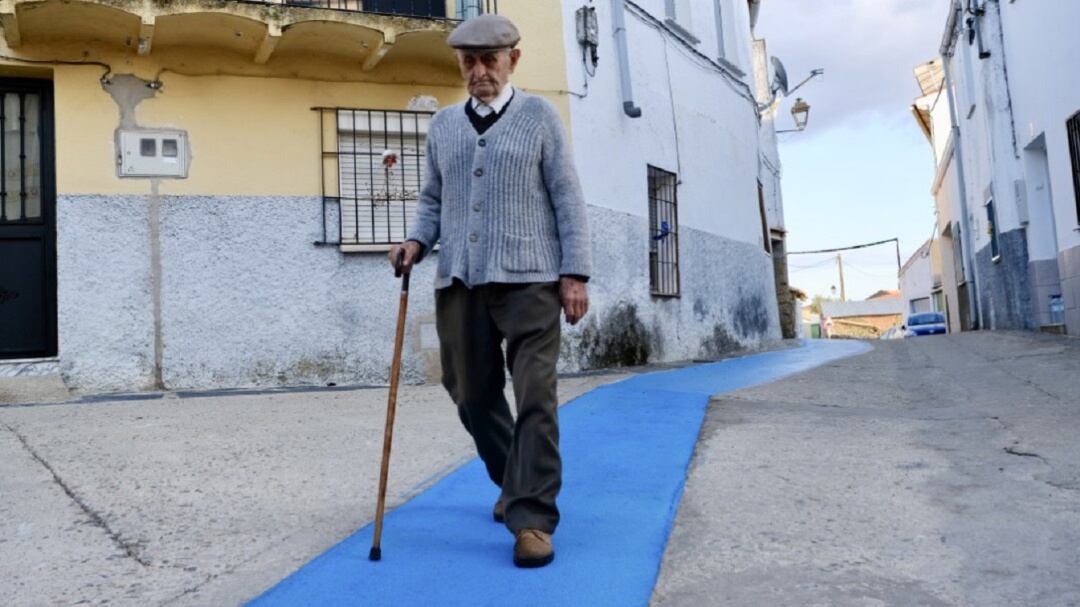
(482, 142)
(476, 207)
(473, 238)
(479, 172)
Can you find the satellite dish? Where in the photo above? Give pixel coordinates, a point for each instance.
(780, 81)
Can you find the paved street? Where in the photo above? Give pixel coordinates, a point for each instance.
(932, 471)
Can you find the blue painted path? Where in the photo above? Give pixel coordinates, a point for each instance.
(626, 448)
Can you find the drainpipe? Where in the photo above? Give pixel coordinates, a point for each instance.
(947, 52)
(618, 10)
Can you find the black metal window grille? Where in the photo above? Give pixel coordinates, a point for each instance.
(20, 158)
(992, 230)
(375, 198)
(663, 233)
(428, 9)
(1073, 128)
(958, 254)
(767, 242)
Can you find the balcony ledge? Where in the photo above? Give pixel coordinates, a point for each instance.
(262, 32)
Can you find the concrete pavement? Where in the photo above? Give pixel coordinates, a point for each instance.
(206, 499)
(932, 471)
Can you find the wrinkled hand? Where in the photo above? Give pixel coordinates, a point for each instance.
(575, 298)
(412, 252)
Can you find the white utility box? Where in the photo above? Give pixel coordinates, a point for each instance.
(153, 154)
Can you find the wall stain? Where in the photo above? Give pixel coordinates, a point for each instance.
(751, 316)
(719, 344)
(621, 339)
(701, 310)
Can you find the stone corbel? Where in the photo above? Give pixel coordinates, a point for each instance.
(146, 35)
(10, 22)
(376, 55)
(268, 44)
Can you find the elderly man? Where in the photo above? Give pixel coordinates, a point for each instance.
(503, 200)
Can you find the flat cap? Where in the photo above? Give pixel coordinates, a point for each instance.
(485, 32)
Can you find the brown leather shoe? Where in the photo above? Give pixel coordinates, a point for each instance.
(499, 512)
(533, 548)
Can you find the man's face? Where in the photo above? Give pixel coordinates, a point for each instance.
(487, 72)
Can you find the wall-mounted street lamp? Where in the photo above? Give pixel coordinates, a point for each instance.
(800, 112)
(780, 89)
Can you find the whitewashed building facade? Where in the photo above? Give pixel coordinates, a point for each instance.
(1009, 162)
(671, 151)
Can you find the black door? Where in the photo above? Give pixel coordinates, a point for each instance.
(27, 220)
(412, 8)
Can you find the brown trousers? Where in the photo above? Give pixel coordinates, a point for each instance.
(523, 457)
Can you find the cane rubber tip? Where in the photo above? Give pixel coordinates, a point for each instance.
(375, 554)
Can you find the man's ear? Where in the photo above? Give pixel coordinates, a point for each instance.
(515, 55)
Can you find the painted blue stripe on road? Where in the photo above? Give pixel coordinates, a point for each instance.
(626, 449)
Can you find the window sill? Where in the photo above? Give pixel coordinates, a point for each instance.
(731, 67)
(365, 248)
(371, 248)
(681, 31)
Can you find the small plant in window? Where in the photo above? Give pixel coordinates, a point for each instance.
(389, 161)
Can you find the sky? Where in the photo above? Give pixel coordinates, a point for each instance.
(862, 169)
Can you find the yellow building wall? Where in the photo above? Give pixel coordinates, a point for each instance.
(252, 135)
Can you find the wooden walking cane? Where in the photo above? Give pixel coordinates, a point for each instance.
(391, 405)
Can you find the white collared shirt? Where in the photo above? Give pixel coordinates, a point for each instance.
(497, 104)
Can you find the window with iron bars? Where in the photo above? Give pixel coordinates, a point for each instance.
(1073, 129)
(373, 165)
(663, 233)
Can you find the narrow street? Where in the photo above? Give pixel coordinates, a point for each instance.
(930, 471)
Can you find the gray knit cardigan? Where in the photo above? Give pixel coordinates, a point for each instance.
(505, 206)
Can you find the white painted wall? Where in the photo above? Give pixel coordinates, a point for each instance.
(711, 142)
(985, 127)
(916, 277)
(1043, 91)
(1041, 50)
(770, 170)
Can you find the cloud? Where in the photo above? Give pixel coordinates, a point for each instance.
(867, 47)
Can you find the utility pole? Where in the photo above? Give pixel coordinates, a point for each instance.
(840, 265)
(899, 268)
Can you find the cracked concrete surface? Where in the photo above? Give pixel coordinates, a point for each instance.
(205, 500)
(129, 549)
(930, 471)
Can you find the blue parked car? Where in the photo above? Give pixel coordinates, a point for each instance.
(927, 323)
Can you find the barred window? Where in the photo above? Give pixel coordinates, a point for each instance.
(663, 233)
(1073, 131)
(992, 230)
(373, 168)
(766, 241)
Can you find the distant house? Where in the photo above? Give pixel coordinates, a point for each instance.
(861, 319)
(811, 325)
(883, 294)
(920, 281)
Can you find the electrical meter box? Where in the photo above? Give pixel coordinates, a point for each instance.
(153, 154)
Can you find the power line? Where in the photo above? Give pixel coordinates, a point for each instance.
(899, 266)
(839, 249)
(870, 274)
(813, 265)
